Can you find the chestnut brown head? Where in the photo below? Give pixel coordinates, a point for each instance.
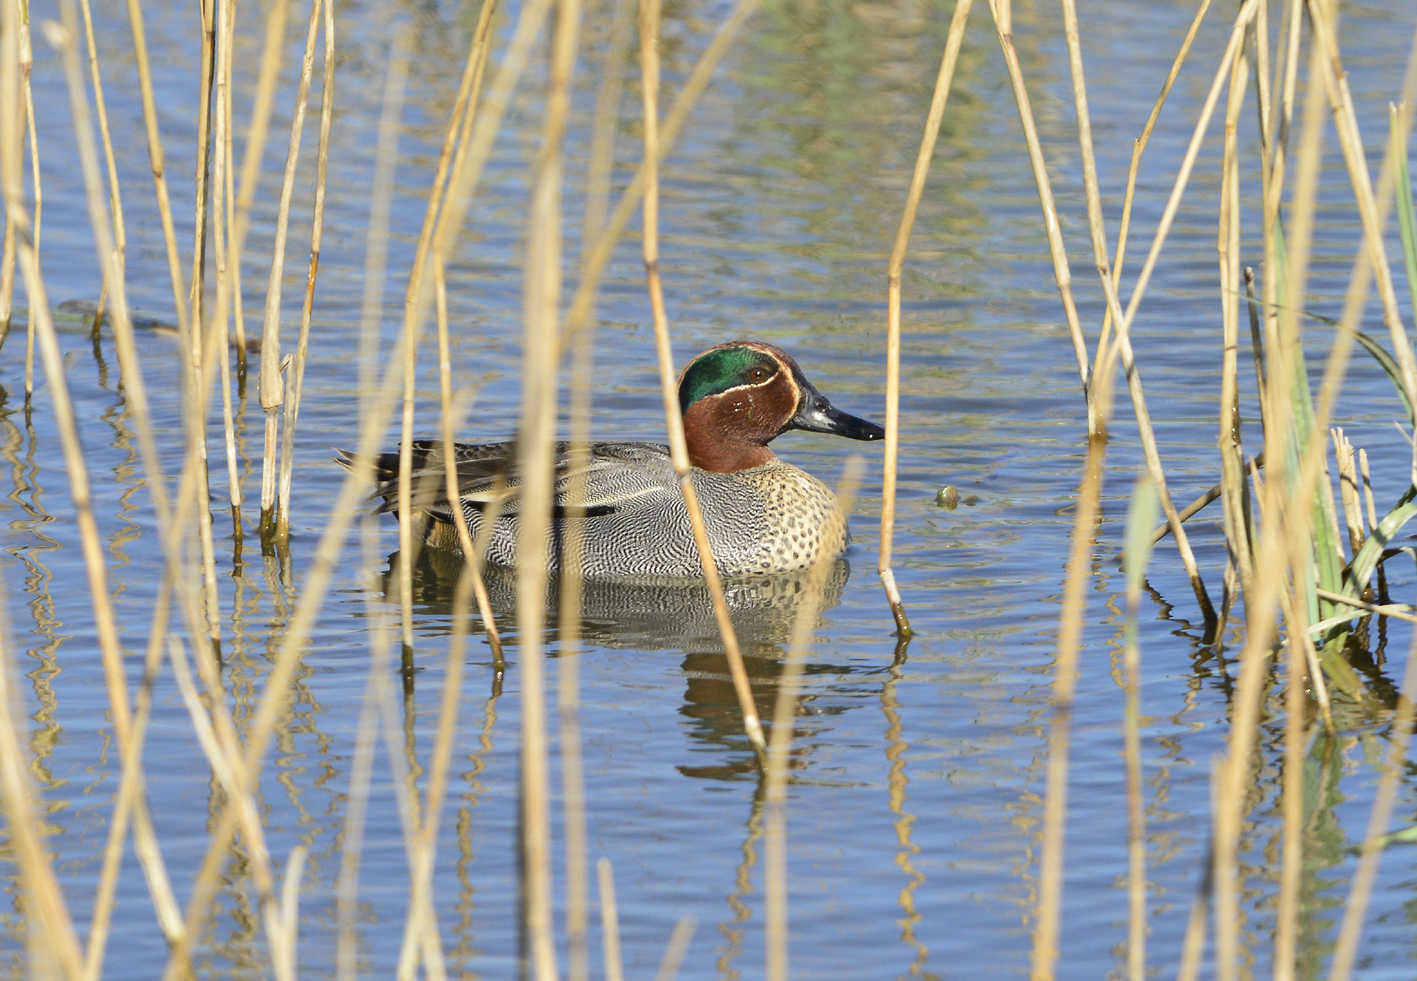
(740, 396)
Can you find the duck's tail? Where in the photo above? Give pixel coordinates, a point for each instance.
(426, 492)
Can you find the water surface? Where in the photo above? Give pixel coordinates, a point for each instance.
(918, 771)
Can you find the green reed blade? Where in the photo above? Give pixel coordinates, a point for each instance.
(1407, 836)
(1141, 519)
(1406, 219)
(1360, 570)
(1389, 365)
(1326, 570)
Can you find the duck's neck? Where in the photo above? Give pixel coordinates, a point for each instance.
(718, 448)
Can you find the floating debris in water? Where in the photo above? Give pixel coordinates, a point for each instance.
(948, 498)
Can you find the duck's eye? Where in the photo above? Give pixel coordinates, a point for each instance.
(758, 374)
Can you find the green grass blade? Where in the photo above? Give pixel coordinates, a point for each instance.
(1141, 519)
(1394, 373)
(1360, 570)
(1406, 219)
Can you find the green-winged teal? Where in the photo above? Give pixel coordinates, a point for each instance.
(762, 515)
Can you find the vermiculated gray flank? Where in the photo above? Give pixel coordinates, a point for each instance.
(771, 518)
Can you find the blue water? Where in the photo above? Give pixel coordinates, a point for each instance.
(917, 771)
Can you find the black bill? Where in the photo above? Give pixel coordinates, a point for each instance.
(817, 415)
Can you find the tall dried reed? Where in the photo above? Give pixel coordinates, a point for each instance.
(1302, 576)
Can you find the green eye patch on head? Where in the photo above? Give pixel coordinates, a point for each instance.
(717, 371)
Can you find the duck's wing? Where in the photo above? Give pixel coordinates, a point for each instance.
(615, 477)
(611, 476)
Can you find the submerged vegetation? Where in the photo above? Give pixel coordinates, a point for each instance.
(1307, 542)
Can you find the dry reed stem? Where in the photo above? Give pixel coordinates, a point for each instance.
(1264, 103)
(1298, 621)
(1296, 704)
(784, 717)
(216, 735)
(673, 414)
(1272, 554)
(594, 263)
(1355, 299)
(157, 163)
(275, 695)
(115, 197)
(295, 377)
(421, 908)
(1296, 698)
(1049, 912)
(1232, 460)
(1346, 125)
(211, 13)
(1098, 233)
(535, 452)
(464, 110)
(262, 104)
(226, 232)
(473, 151)
(675, 950)
(1143, 509)
(239, 216)
(597, 195)
(399, 740)
(290, 909)
(109, 256)
(1136, 822)
(1193, 943)
(420, 928)
(1272, 182)
(609, 922)
(893, 272)
(1341, 600)
(1344, 460)
(272, 386)
(1096, 227)
(1123, 340)
(1003, 22)
(7, 258)
(7, 283)
(129, 798)
(361, 769)
(573, 797)
(220, 351)
(45, 900)
(896, 783)
(1293, 20)
(476, 147)
(1368, 491)
(1268, 83)
(105, 627)
(472, 555)
(222, 207)
(1047, 928)
(193, 340)
(1345, 951)
(1246, 13)
(196, 417)
(26, 67)
(1312, 465)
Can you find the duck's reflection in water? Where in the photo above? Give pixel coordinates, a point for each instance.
(651, 615)
(665, 615)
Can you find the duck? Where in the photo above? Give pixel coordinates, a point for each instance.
(763, 516)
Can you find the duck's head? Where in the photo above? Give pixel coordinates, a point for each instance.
(740, 396)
